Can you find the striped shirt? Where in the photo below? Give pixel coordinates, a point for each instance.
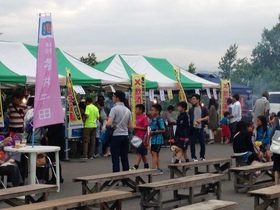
(16, 119)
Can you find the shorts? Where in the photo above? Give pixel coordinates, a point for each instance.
(225, 131)
(141, 150)
(155, 148)
(249, 157)
(276, 162)
(182, 145)
(264, 148)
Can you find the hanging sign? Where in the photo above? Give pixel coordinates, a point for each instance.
(169, 94)
(161, 94)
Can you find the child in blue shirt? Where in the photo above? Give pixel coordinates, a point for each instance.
(157, 129)
(263, 136)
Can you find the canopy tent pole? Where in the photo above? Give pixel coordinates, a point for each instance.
(66, 126)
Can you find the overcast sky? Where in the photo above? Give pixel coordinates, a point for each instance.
(183, 31)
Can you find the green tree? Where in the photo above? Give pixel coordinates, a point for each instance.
(192, 68)
(227, 63)
(91, 60)
(266, 60)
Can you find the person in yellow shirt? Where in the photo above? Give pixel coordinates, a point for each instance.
(89, 131)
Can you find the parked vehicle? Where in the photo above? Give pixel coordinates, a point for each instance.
(274, 100)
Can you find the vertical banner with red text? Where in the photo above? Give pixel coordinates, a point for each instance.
(47, 104)
(138, 93)
(225, 93)
(75, 117)
(1, 112)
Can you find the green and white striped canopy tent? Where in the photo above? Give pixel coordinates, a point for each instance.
(18, 66)
(158, 72)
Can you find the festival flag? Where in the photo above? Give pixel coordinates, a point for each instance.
(75, 117)
(1, 111)
(47, 103)
(138, 93)
(225, 94)
(182, 94)
(169, 94)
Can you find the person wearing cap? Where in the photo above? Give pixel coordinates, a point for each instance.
(120, 120)
(169, 134)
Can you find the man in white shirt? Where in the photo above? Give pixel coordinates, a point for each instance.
(261, 107)
(236, 114)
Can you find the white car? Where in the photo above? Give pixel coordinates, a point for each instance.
(274, 100)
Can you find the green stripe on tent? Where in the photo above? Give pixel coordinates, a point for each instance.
(78, 78)
(32, 49)
(130, 72)
(102, 66)
(8, 76)
(166, 68)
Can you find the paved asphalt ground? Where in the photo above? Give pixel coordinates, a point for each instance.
(77, 167)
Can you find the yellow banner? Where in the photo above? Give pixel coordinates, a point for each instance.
(225, 93)
(182, 94)
(1, 112)
(138, 93)
(75, 117)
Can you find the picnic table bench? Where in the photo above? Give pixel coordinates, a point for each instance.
(81, 201)
(151, 193)
(269, 195)
(244, 176)
(210, 205)
(103, 182)
(9, 195)
(220, 165)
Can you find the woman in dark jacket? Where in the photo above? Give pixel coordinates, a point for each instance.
(242, 144)
(213, 119)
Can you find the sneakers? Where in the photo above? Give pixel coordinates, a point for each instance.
(132, 169)
(160, 172)
(194, 159)
(84, 157)
(91, 158)
(96, 156)
(211, 142)
(107, 154)
(202, 159)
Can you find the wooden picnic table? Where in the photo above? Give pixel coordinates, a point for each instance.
(210, 205)
(220, 165)
(9, 195)
(151, 193)
(109, 181)
(245, 176)
(269, 197)
(81, 202)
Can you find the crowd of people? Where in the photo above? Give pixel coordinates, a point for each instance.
(250, 141)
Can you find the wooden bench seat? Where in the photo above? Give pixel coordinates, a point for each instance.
(109, 181)
(244, 176)
(151, 193)
(210, 205)
(269, 195)
(9, 195)
(220, 165)
(81, 201)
